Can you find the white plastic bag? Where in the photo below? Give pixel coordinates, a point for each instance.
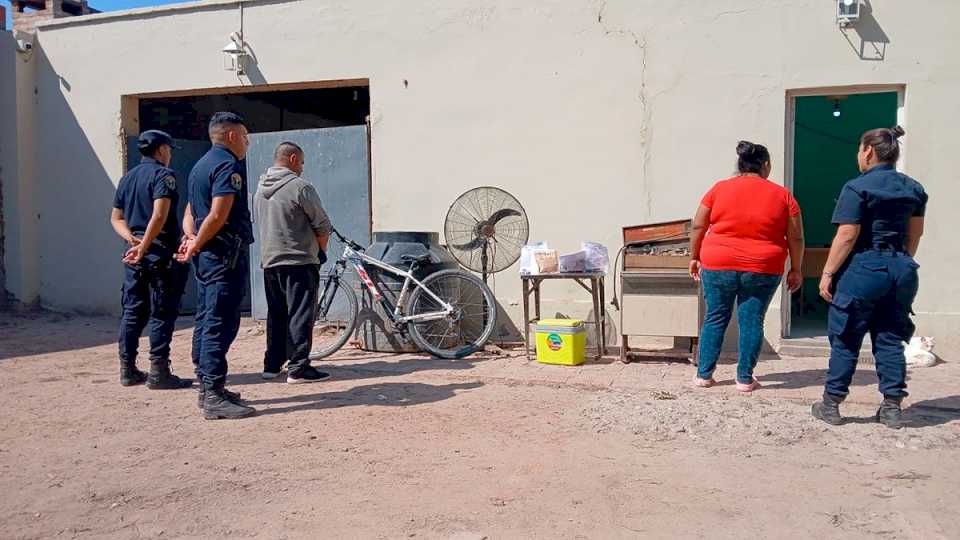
(598, 260)
(528, 261)
(575, 262)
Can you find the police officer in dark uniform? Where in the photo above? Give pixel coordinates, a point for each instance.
(220, 215)
(870, 277)
(145, 216)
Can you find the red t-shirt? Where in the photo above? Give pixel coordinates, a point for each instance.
(748, 225)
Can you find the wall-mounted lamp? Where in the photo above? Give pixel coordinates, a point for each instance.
(848, 12)
(836, 109)
(235, 55)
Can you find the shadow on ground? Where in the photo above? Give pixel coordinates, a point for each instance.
(932, 412)
(376, 395)
(792, 380)
(371, 369)
(44, 332)
(922, 414)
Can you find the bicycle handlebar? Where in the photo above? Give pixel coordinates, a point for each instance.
(353, 245)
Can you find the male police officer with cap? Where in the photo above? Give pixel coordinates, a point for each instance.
(219, 216)
(145, 216)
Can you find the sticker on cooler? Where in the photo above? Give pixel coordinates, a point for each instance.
(554, 342)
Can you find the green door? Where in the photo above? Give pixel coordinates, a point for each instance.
(827, 134)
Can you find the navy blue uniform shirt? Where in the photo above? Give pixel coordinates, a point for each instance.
(137, 190)
(216, 174)
(881, 201)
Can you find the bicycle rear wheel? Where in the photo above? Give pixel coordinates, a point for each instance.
(336, 317)
(467, 328)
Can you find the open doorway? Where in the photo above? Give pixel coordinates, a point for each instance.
(824, 129)
(298, 109)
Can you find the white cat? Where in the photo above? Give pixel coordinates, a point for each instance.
(919, 352)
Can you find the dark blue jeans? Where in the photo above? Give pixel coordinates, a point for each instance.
(151, 296)
(874, 294)
(752, 293)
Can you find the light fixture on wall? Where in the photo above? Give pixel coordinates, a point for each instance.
(836, 109)
(848, 11)
(235, 55)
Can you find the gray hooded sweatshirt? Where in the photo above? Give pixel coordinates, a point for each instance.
(289, 216)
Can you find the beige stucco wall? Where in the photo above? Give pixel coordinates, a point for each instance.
(17, 102)
(8, 131)
(594, 114)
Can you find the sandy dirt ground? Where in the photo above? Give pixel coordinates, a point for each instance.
(489, 447)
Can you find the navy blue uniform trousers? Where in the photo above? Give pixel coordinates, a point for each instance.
(874, 294)
(151, 295)
(221, 286)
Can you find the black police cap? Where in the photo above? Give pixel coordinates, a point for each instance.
(152, 139)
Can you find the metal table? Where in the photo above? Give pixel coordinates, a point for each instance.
(531, 284)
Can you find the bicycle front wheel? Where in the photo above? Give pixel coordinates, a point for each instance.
(463, 331)
(336, 317)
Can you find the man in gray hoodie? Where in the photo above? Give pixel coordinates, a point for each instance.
(294, 230)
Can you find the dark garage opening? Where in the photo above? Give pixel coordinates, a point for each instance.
(185, 116)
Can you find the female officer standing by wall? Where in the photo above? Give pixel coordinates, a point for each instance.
(870, 277)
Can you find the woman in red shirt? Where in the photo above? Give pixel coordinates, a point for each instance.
(743, 230)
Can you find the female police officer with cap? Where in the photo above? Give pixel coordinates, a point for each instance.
(870, 277)
(145, 216)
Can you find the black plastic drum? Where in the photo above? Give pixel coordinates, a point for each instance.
(390, 247)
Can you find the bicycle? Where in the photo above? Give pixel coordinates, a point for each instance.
(450, 314)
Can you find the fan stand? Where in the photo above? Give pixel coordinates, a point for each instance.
(487, 231)
(483, 262)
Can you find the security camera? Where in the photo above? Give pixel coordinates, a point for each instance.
(24, 46)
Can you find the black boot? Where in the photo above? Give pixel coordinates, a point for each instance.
(161, 378)
(216, 405)
(828, 410)
(129, 374)
(889, 413)
(234, 397)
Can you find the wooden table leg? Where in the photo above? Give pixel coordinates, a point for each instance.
(526, 316)
(623, 350)
(536, 298)
(597, 316)
(603, 313)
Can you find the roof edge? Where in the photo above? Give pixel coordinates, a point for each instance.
(139, 13)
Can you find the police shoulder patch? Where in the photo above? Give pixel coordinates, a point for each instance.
(236, 180)
(170, 182)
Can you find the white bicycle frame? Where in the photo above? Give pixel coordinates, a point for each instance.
(358, 258)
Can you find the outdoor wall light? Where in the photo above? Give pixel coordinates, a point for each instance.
(235, 54)
(848, 11)
(836, 109)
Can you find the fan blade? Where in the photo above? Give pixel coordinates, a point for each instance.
(499, 215)
(469, 246)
